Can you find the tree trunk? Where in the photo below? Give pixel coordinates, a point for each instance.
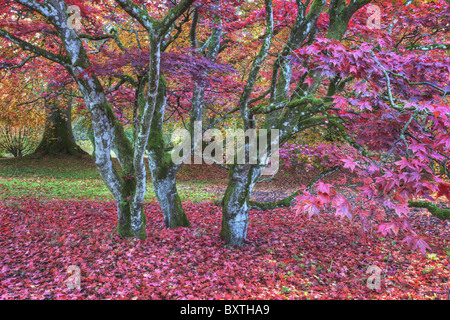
(130, 223)
(162, 168)
(90, 135)
(164, 184)
(235, 207)
(58, 137)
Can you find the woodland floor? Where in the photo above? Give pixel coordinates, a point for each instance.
(56, 213)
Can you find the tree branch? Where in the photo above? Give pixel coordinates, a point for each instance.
(137, 13)
(20, 65)
(442, 214)
(173, 15)
(286, 202)
(58, 58)
(251, 80)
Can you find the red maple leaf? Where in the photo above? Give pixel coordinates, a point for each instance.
(444, 190)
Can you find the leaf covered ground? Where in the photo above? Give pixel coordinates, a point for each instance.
(285, 256)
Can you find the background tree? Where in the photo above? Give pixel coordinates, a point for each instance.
(58, 135)
(27, 101)
(17, 140)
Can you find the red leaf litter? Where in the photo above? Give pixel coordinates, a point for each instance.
(286, 256)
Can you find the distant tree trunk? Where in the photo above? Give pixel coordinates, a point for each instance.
(90, 134)
(58, 136)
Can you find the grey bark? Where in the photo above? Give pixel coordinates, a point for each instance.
(291, 118)
(127, 184)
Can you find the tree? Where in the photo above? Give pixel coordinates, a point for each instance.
(300, 112)
(18, 141)
(162, 167)
(118, 83)
(58, 137)
(20, 97)
(367, 92)
(26, 100)
(127, 184)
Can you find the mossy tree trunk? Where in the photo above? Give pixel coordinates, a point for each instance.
(299, 114)
(162, 169)
(58, 136)
(236, 206)
(242, 177)
(130, 223)
(164, 184)
(127, 183)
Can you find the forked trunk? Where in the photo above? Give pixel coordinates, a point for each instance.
(164, 184)
(162, 168)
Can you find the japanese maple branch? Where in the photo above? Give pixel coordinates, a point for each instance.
(257, 63)
(141, 15)
(297, 103)
(401, 136)
(388, 83)
(24, 62)
(286, 202)
(442, 214)
(432, 150)
(34, 49)
(223, 118)
(445, 92)
(340, 127)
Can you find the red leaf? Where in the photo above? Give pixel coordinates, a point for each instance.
(444, 190)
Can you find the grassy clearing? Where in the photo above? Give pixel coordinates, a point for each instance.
(75, 179)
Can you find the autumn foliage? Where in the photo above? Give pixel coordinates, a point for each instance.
(286, 257)
(357, 87)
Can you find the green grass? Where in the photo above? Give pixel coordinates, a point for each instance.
(75, 179)
(59, 168)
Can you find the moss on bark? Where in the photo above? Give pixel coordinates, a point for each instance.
(169, 200)
(125, 226)
(57, 138)
(162, 168)
(284, 203)
(442, 214)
